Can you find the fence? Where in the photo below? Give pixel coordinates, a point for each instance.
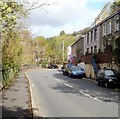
(1, 78)
(6, 76)
(105, 57)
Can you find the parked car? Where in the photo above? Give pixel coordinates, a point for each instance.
(66, 68)
(108, 77)
(52, 66)
(76, 71)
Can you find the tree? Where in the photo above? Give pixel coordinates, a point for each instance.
(41, 48)
(57, 45)
(117, 50)
(26, 41)
(62, 32)
(115, 6)
(10, 13)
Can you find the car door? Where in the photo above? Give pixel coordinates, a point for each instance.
(101, 76)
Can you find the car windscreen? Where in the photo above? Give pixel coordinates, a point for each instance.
(78, 68)
(109, 73)
(73, 68)
(69, 65)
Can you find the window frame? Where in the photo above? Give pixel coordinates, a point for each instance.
(109, 27)
(104, 29)
(116, 23)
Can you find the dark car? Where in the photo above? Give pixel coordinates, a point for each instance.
(52, 66)
(108, 77)
(76, 71)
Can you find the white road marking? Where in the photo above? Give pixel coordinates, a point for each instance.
(32, 85)
(90, 96)
(63, 82)
(80, 91)
(58, 80)
(68, 85)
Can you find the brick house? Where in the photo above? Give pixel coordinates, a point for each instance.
(78, 49)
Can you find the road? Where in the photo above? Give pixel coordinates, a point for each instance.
(55, 95)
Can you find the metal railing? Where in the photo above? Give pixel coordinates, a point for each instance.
(8, 74)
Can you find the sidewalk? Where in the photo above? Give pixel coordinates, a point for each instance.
(15, 101)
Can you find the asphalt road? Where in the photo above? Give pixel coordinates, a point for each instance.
(55, 95)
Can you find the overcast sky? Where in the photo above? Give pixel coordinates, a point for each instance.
(67, 15)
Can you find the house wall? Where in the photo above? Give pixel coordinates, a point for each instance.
(73, 50)
(99, 42)
(80, 45)
(110, 36)
(93, 42)
(78, 49)
(90, 72)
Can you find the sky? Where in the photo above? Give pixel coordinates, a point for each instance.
(67, 15)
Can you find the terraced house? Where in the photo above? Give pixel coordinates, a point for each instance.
(100, 37)
(100, 40)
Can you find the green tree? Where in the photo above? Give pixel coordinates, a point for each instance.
(115, 6)
(117, 50)
(41, 48)
(28, 48)
(10, 13)
(57, 45)
(62, 32)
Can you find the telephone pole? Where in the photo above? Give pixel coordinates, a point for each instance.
(63, 52)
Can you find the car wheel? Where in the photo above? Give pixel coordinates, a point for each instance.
(106, 84)
(98, 83)
(71, 75)
(80, 77)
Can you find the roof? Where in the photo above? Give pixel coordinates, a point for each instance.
(109, 17)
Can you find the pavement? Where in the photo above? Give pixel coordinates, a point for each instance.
(15, 101)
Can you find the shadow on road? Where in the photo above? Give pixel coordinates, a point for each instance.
(86, 86)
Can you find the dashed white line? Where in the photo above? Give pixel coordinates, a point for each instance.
(68, 85)
(58, 80)
(80, 91)
(63, 82)
(90, 96)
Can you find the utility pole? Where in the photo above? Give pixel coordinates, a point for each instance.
(63, 52)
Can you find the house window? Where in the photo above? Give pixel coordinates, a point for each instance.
(104, 29)
(92, 49)
(91, 35)
(109, 27)
(95, 49)
(117, 23)
(95, 34)
(87, 38)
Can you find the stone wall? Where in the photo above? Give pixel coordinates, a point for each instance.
(90, 72)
